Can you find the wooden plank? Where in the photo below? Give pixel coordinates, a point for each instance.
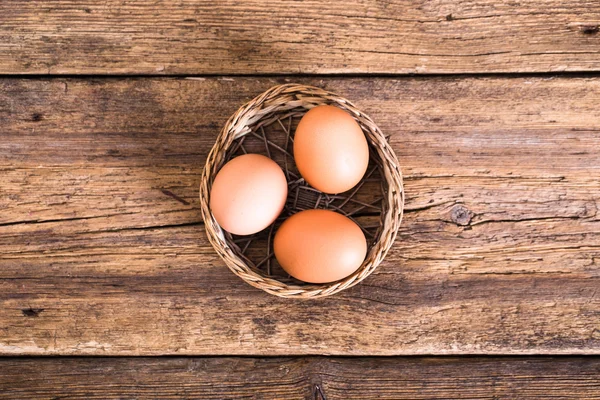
(498, 252)
(271, 37)
(301, 378)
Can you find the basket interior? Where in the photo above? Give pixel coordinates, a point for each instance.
(273, 137)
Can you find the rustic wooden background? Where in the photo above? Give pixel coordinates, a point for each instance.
(107, 113)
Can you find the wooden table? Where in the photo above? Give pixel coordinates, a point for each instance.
(108, 110)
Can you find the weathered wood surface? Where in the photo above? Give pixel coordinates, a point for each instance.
(301, 378)
(278, 37)
(102, 249)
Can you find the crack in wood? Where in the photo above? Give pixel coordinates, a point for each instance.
(173, 195)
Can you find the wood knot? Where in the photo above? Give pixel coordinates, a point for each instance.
(588, 29)
(461, 215)
(32, 312)
(449, 17)
(36, 117)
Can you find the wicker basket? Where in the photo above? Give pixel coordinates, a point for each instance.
(281, 107)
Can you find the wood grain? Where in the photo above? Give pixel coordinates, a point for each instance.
(301, 378)
(102, 249)
(281, 37)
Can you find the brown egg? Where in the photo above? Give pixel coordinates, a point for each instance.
(319, 246)
(248, 194)
(330, 149)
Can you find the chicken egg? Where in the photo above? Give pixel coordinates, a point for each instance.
(330, 149)
(248, 194)
(319, 246)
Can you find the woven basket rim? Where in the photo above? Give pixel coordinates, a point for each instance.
(283, 98)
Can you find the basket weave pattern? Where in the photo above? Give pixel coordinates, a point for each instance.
(279, 107)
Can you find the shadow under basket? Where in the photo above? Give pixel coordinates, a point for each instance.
(266, 126)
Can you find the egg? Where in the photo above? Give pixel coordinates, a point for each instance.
(319, 246)
(330, 149)
(248, 194)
